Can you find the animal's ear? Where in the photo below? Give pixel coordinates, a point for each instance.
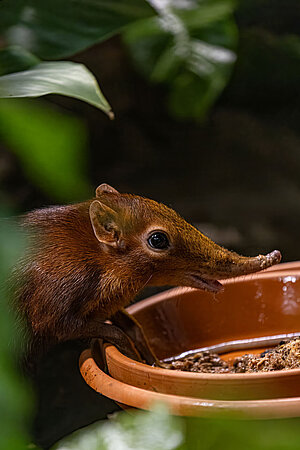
(104, 223)
(103, 188)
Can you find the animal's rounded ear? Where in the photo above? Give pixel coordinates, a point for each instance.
(104, 223)
(104, 188)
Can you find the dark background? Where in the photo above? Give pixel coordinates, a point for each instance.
(236, 175)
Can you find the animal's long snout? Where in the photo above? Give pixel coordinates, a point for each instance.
(241, 265)
(221, 263)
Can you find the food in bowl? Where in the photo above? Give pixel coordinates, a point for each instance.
(286, 355)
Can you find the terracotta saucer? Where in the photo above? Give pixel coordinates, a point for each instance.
(252, 313)
(181, 405)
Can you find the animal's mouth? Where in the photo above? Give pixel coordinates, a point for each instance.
(205, 284)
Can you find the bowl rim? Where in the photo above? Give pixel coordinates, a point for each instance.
(112, 352)
(169, 293)
(118, 357)
(289, 265)
(182, 405)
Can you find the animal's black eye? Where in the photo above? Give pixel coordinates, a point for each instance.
(158, 240)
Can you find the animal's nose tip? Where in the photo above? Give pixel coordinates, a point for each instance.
(274, 257)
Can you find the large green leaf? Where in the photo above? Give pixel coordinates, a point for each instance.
(190, 49)
(55, 29)
(185, 44)
(62, 77)
(50, 146)
(16, 59)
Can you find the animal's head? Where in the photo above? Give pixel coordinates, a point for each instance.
(153, 243)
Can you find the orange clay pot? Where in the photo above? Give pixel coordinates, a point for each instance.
(293, 265)
(252, 313)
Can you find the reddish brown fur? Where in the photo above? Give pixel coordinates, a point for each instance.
(69, 276)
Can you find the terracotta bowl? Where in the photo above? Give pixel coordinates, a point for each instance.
(253, 312)
(288, 266)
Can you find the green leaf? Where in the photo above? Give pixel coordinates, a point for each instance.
(171, 42)
(50, 146)
(62, 77)
(16, 59)
(55, 29)
(189, 48)
(207, 13)
(155, 430)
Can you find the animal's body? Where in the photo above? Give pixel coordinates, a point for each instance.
(87, 261)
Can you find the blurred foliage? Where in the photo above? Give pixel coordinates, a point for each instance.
(62, 77)
(53, 29)
(23, 75)
(228, 434)
(158, 430)
(187, 44)
(16, 59)
(50, 147)
(15, 398)
(189, 47)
